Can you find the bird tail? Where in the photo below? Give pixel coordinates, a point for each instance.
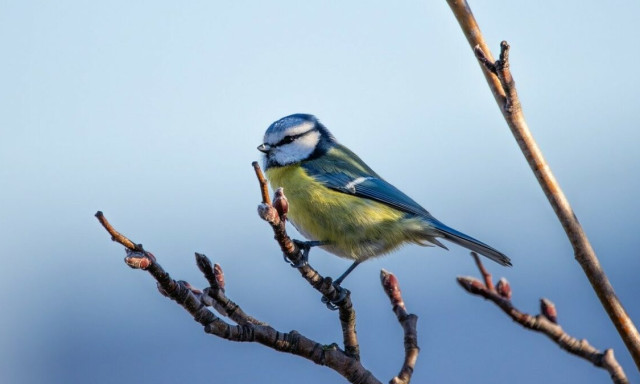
(469, 242)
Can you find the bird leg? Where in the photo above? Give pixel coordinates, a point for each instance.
(305, 246)
(346, 273)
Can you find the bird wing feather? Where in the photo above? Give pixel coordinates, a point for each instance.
(343, 171)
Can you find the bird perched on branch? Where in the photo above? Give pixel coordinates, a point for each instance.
(342, 205)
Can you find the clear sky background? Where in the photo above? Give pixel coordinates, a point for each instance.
(151, 111)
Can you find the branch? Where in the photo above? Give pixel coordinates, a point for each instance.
(264, 189)
(216, 293)
(502, 86)
(409, 326)
(248, 329)
(545, 322)
(294, 254)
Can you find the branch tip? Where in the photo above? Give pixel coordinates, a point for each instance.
(409, 326)
(263, 183)
(548, 310)
(504, 53)
(117, 236)
(392, 289)
(204, 264)
(470, 284)
(483, 271)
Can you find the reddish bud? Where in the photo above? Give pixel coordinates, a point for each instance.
(503, 288)
(548, 310)
(219, 276)
(269, 214)
(391, 288)
(280, 203)
(471, 284)
(139, 260)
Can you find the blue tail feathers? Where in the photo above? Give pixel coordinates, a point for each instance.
(470, 243)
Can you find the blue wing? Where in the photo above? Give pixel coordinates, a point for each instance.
(343, 171)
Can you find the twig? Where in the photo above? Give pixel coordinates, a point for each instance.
(483, 271)
(264, 189)
(324, 285)
(215, 292)
(249, 330)
(409, 326)
(545, 322)
(502, 86)
(115, 235)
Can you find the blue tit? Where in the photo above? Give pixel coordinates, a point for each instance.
(339, 203)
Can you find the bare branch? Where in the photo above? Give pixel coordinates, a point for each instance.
(215, 292)
(500, 80)
(115, 235)
(264, 189)
(324, 285)
(249, 329)
(409, 326)
(483, 271)
(545, 323)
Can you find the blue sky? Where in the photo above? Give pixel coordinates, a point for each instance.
(151, 112)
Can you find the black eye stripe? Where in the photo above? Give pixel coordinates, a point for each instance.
(292, 138)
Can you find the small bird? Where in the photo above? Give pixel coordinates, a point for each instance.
(340, 204)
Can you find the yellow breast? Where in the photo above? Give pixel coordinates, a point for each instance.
(354, 227)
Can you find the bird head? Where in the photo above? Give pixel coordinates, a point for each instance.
(295, 138)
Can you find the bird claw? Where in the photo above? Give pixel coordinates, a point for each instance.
(304, 260)
(305, 246)
(336, 303)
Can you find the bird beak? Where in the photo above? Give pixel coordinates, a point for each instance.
(264, 148)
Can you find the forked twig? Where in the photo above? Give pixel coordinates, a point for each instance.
(196, 302)
(545, 322)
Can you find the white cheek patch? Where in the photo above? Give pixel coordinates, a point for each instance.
(297, 151)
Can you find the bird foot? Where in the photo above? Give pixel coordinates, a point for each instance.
(305, 246)
(338, 301)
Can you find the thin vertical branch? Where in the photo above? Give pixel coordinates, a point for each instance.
(502, 86)
(264, 189)
(409, 323)
(275, 215)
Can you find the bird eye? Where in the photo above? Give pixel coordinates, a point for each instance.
(288, 139)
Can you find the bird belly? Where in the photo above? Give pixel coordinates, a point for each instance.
(353, 227)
